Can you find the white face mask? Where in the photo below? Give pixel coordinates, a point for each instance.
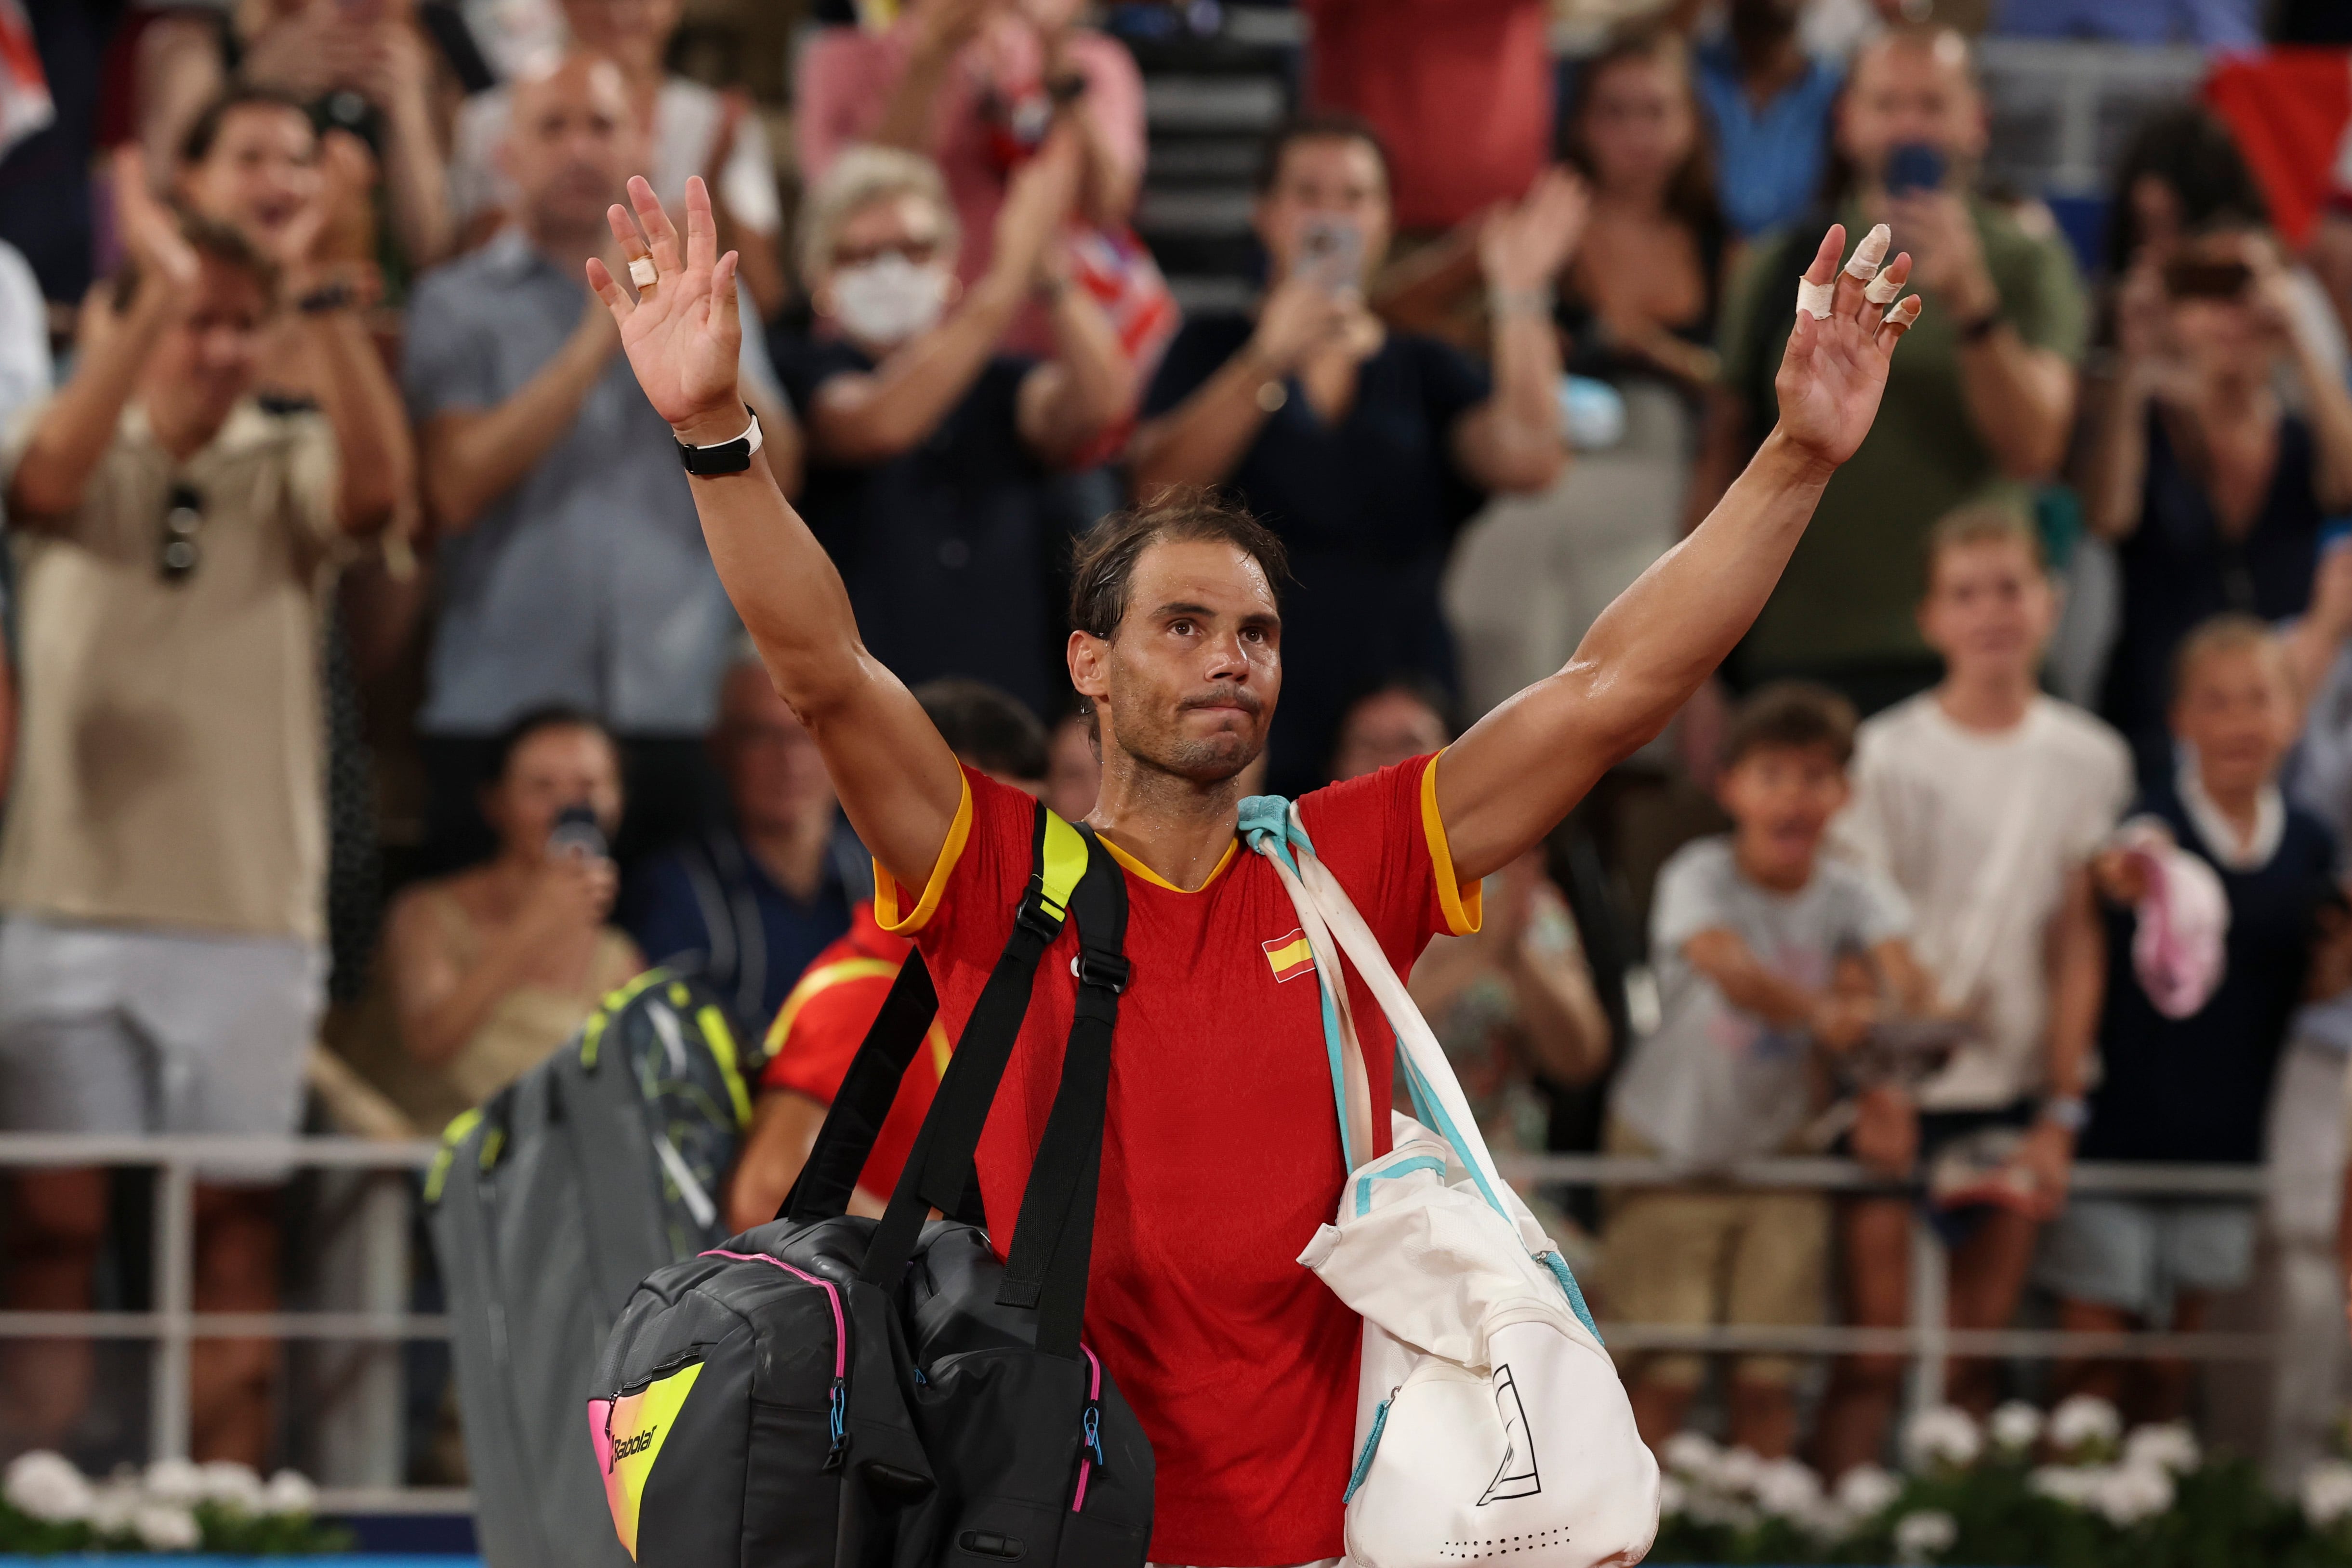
(889, 299)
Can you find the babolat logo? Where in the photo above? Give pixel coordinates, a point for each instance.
(637, 1444)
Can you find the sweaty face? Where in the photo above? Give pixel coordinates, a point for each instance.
(261, 173)
(1989, 609)
(562, 766)
(1783, 798)
(1188, 684)
(1904, 91)
(572, 144)
(2235, 711)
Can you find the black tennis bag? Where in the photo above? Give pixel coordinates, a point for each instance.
(833, 1392)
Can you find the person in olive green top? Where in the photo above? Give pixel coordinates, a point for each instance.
(1980, 404)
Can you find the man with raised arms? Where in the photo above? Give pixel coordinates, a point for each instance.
(1220, 1149)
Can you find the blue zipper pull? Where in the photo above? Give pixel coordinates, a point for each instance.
(836, 1417)
(1093, 1426)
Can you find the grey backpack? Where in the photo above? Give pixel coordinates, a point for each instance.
(547, 1204)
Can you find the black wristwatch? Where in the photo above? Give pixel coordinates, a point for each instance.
(724, 457)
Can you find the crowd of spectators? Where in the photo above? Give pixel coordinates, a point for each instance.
(362, 647)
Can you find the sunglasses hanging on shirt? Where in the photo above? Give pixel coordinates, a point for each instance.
(177, 552)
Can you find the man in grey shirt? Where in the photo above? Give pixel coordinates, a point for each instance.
(572, 568)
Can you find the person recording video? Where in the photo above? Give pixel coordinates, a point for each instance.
(494, 966)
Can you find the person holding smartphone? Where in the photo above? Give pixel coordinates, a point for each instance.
(1364, 449)
(1980, 413)
(2213, 489)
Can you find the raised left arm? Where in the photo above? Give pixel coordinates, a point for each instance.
(1511, 442)
(1519, 769)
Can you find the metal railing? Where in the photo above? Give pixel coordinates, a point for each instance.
(172, 1325)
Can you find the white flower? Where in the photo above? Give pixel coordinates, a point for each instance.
(232, 1485)
(1673, 1496)
(1737, 1470)
(167, 1527)
(2170, 1446)
(289, 1493)
(1866, 1491)
(1691, 1455)
(1944, 1436)
(2128, 1494)
(2070, 1484)
(47, 1487)
(1787, 1489)
(2082, 1420)
(113, 1506)
(1922, 1536)
(2327, 1494)
(175, 1481)
(2015, 1426)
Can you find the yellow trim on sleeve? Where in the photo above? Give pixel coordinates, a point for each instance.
(886, 891)
(1155, 879)
(1464, 911)
(822, 978)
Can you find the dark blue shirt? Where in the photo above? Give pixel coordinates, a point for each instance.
(1368, 508)
(2197, 1088)
(948, 550)
(710, 905)
(1767, 161)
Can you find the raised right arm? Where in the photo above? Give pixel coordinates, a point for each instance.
(897, 778)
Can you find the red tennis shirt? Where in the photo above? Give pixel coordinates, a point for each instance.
(817, 1031)
(1221, 1147)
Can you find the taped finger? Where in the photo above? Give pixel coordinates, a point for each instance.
(1902, 319)
(1815, 299)
(1863, 262)
(1882, 289)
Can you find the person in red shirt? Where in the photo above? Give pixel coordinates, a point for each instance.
(823, 1018)
(1221, 1155)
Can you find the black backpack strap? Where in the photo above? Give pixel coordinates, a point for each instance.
(864, 1099)
(939, 1171)
(1052, 1243)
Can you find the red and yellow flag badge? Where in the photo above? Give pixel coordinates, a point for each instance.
(1290, 956)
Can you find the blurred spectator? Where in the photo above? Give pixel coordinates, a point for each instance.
(975, 85)
(1072, 770)
(2209, 23)
(161, 868)
(25, 369)
(931, 448)
(1767, 105)
(1365, 449)
(1512, 1004)
(364, 66)
(1981, 402)
(1461, 96)
(2213, 489)
(751, 904)
(1748, 931)
(493, 967)
(46, 195)
(693, 130)
(2195, 1089)
(822, 1023)
(1638, 301)
(573, 570)
(1982, 801)
(253, 161)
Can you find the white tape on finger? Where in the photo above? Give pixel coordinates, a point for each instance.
(1814, 299)
(1905, 314)
(1882, 290)
(1863, 262)
(642, 272)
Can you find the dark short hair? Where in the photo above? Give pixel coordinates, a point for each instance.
(1102, 563)
(536, 722)
(1790, 716)
(196, 143)
(985, 727)
(211, 241)
(2192, 153)
(1317, 125)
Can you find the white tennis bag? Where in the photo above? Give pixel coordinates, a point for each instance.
(1490, 1423)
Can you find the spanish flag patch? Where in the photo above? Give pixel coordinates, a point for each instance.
(1290, 956)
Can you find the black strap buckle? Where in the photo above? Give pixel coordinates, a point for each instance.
(1032, 915)
(1096, 967)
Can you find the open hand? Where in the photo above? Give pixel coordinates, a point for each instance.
(167, 262)
(684, 335)
(1524, 246)
(1834, 370)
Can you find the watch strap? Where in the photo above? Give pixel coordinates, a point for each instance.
(724, 457)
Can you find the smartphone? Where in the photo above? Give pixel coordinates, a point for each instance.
(2186, 277)
(1331, 253)
(1915, 166)
(577, 833)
